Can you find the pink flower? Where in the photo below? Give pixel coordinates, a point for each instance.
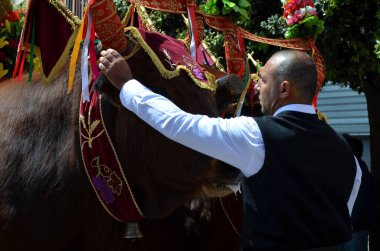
(298, 14)
(291, 21)
(296, 10)
(311, 10)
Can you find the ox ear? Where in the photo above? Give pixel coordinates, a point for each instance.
(231, 82)
(228, 87)
(104, 86)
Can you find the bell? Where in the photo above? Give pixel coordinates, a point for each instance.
(132, 231)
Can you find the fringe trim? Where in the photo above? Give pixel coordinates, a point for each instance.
(147, 22)
(61, 61)
(127, 17)
(167, 74)
(218, 65)
(117, 158)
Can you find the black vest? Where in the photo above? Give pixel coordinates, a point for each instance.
(299, 198)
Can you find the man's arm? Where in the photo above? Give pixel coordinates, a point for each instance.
(236, 141)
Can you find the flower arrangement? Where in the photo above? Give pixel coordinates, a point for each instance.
(301, 18)
(11, 22)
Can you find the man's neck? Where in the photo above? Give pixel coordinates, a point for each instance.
(297, 108)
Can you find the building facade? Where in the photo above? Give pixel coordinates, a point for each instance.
(346, 111)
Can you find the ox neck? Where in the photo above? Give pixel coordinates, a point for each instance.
(102, 164)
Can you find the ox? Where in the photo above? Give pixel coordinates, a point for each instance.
(47, 202)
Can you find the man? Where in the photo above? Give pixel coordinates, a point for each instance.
(301, 178)
(362, 215)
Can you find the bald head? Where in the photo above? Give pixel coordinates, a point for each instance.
(298, 68)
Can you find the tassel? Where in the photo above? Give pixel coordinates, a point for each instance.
(84, 60)
(21, 42)
(246, 83)
(31, 52)
(74, 55)
(24, 54)
(322, 116)
(194, 41)
(94, 67)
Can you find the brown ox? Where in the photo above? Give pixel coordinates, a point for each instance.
(47, 202)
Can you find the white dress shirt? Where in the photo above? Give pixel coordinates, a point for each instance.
(235, 141)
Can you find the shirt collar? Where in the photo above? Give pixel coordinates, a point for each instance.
(296, 108)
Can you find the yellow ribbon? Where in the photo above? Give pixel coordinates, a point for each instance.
(74, 55)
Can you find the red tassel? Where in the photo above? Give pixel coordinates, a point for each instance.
(21, 42)
(25, 52)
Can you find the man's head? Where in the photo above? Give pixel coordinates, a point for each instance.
(289, 77)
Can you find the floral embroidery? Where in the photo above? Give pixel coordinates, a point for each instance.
(89, 128)
(104, 191)
(198, 74)
(110, 178)
(115, 183)
(189, 62)
(169, 59)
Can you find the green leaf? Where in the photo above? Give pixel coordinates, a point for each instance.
(292, 32)
(243, 12)
(244, 3)
(228, 3)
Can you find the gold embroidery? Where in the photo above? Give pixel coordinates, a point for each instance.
(169, 59)
(168, 74)
(113, 180)
(89, 128)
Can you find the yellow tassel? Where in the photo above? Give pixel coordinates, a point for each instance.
(322, 116)
(74, 55)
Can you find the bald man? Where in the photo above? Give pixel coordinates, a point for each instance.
(301, 178)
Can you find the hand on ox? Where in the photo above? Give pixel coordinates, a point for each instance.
(115, 68)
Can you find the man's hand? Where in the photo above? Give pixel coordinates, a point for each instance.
(115, 68)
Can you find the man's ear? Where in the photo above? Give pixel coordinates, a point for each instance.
(285, 89)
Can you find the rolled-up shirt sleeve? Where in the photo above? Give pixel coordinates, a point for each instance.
(236, 141)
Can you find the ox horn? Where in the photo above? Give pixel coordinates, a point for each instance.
(108, 25)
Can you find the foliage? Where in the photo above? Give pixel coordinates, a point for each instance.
(121, 8)
(377, 35)
(274, 25)
(377, 49)
(349, 39)
(169, 24)
(10, 31)
(239, 10)
(349, 43)
(215, 41)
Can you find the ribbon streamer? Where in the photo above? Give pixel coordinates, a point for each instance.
(84, 61)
